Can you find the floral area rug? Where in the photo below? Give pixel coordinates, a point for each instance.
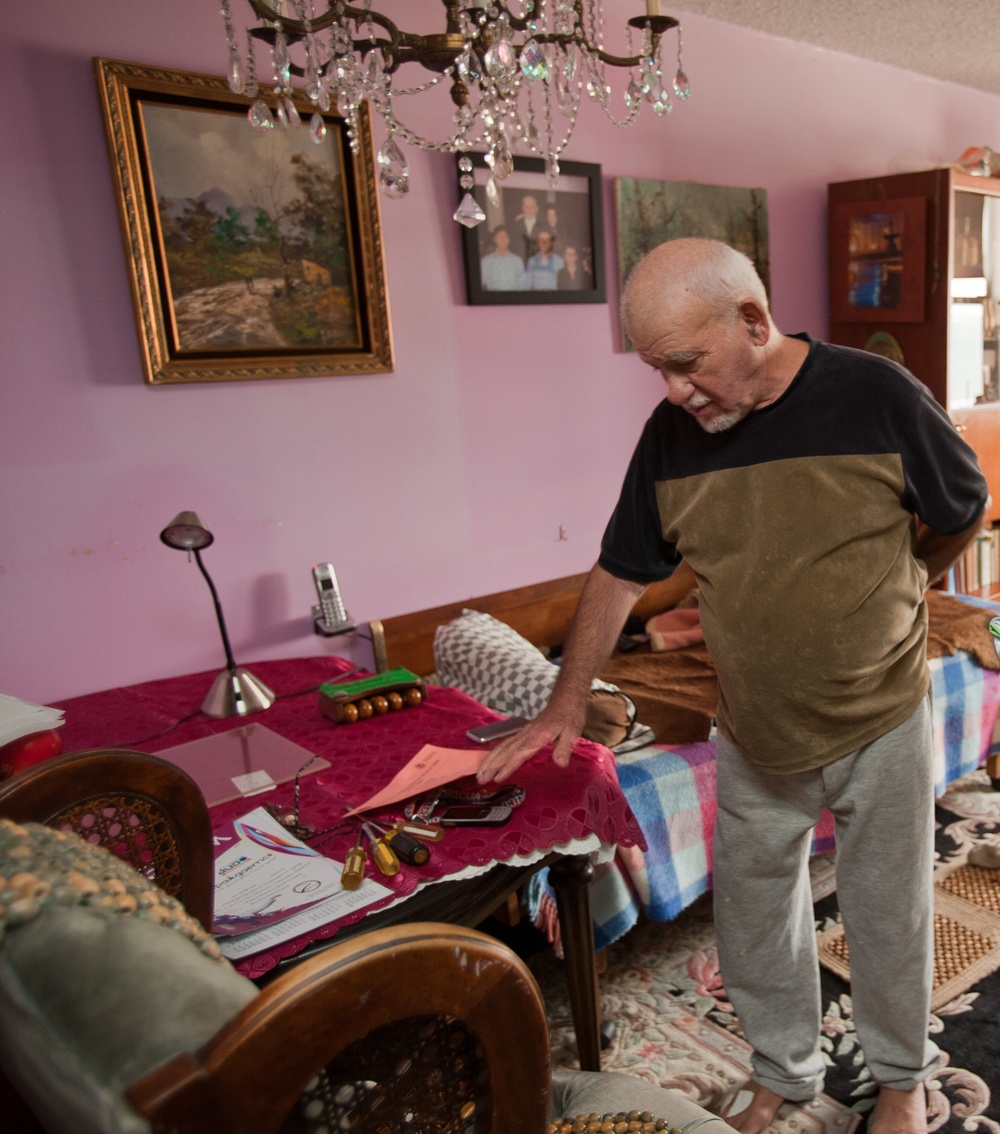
(674, 1026)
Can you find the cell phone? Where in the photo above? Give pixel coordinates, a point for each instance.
(474, 815)
(484, 733)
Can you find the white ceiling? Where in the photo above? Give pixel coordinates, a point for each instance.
(955, 40)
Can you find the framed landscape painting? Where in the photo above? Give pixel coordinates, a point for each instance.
(251, 254)
(651, 212)
(538, 244)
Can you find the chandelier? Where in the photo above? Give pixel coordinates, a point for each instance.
(517, 75)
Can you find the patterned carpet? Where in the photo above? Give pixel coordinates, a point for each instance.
(674, 1025)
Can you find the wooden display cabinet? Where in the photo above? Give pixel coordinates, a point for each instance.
(915, 275)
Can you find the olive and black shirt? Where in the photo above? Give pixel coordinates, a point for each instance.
(799, 525)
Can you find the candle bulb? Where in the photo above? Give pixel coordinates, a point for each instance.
(652, 7)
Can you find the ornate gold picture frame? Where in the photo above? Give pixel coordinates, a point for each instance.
(250, 254)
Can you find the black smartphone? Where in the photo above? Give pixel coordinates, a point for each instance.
(475, 815)
(484, 733)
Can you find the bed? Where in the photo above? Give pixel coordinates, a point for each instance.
(670, 784)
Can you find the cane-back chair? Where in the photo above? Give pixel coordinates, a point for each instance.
(145, 810)
(416, 1029)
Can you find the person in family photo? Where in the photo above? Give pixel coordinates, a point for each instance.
(575, 274)
(525, 225)
(501, 269)
(541, 272)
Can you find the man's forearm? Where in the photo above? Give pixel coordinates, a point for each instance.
(605, 603)
(938, 551)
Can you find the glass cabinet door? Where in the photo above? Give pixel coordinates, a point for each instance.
(974, 302)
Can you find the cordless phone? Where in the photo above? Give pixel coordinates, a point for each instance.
(329, 615)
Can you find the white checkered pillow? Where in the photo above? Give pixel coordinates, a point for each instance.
(490, 661)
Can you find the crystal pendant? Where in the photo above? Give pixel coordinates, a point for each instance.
(236, 82)
(469, 68)
(374, 69)
(682, 85)
(662, 105)
(569, 68)
(500, 162)
(499, 59)
(347, 101)
(466, 181)
(533, 64)
(317, 129)
(492, 192)
(260, 116)
(323, 98)
(290, 112)
(282, 64)
(468, 212)
(393, 172)
(633, 95)
(282, 116)
(552, 170)
(465, 163)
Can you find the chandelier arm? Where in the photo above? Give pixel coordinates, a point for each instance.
(592, 49)
(404, 47)
(266, 11)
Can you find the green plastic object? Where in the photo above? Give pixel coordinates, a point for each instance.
(388, 680)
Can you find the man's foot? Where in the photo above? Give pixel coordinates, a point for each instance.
(900, 1112)
(751, 1108)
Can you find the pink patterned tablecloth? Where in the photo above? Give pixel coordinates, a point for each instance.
(560, 806)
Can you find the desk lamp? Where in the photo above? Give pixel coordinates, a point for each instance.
(235, 692)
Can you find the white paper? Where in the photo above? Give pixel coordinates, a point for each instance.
(22, 718)
(270, 886)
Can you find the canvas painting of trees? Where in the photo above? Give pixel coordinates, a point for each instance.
(651, 212)
(253, 232)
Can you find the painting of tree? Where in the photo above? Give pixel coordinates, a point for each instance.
(651, 212)
(253, 231)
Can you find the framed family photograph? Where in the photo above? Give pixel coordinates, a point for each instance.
(251, 253)
(877, 260)
(537, 244)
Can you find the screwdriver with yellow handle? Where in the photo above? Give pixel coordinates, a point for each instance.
(382, 853)
(353, 873)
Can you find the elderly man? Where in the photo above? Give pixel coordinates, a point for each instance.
(815, 491)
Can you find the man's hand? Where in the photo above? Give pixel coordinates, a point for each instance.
(605, 602)
(561, 729)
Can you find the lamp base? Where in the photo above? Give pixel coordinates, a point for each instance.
(236, 693)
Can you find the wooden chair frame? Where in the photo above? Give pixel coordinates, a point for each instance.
(46, 792)
(251, 1074)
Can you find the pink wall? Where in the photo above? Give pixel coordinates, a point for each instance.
(448, 478)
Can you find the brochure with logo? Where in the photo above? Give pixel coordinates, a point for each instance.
(270, 886)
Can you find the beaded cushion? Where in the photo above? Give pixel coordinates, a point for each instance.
(630, 1122)
(103, 977)
(40, 866)
(611, 1102)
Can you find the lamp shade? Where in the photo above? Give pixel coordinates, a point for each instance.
(186, 532)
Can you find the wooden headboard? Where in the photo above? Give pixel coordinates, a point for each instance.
(541, 613)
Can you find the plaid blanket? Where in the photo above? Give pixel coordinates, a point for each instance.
(672, 793)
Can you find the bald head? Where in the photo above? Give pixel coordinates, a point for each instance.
(690, 272)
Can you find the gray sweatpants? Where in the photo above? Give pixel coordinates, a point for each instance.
(882, 798)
